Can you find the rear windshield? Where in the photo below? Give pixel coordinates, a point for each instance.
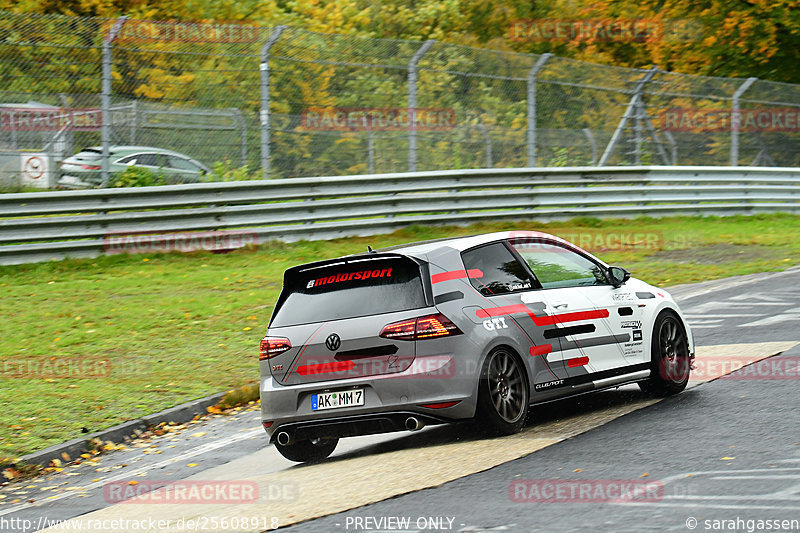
(89, 155)
(350, 289)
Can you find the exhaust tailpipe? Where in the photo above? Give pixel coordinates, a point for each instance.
(414, 424)
(284, 439)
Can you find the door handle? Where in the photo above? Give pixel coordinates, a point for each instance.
(559, 305)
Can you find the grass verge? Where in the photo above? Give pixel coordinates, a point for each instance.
(142, 333)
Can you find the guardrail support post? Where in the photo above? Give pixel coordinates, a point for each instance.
(265, 124)
(633, 107)
(736, 119)
(412, 103)
(105, 98)
(532, 107)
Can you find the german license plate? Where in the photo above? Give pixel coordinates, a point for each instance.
(336, 400)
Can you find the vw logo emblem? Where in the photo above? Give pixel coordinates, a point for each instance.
(333, 342)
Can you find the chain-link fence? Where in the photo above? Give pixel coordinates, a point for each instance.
(86, 102)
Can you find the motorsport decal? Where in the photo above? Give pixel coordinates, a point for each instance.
(635, 348)
(347, 276)
(625, 296)
(634, 324)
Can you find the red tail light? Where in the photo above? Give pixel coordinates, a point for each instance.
(272, 346)
(424, 327)
(91, 167)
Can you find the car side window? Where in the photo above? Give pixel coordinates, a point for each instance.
(129, 160)
(495, 270)
(182, 164)
(555, 266)
(152, 160)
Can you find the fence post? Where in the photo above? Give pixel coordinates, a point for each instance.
(105, 98)
(370, 150)
(633, 107)
(532, 107)
(488, 143)
(265, 125)
(592, 142)
(412, 103)
(736, 119)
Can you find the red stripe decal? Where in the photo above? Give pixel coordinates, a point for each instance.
(503, 310)
(577, 361)
(548, 320)
(336, 366)
(456, 274)
(571, 317)
(541, 350)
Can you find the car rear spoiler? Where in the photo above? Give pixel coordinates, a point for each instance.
(294, 271)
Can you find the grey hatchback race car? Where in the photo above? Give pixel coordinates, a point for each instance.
(479, 327)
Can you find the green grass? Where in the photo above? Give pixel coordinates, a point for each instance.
(180, 326)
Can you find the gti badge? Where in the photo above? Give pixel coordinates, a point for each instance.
(333, 342)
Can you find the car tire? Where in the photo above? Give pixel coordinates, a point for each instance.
(503, 393)
(308, 451)
(670, 362)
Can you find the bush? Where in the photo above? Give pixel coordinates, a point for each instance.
(225, 171)
(138, 177)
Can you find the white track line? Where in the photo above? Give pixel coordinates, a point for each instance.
(198, 450)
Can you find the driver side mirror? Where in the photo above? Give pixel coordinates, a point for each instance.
(617, 275)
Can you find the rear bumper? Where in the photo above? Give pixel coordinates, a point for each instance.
(388, 401)
(73, 181)
(354, 425)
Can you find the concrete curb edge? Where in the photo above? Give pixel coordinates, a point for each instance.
(73, 448)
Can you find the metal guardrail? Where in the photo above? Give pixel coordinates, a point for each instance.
(55, 225)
